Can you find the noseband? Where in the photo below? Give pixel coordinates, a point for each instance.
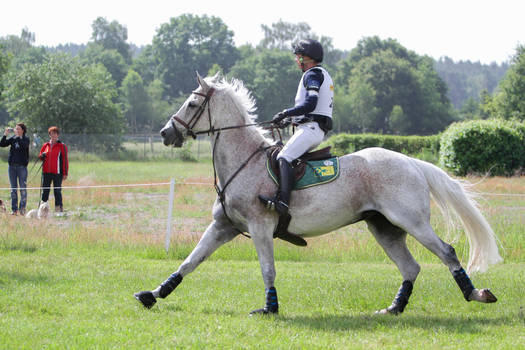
(196, 116)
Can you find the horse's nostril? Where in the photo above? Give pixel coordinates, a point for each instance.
(163, 133)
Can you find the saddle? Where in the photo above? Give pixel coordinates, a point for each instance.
(299, 166)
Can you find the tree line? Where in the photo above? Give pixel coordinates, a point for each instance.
(110, 86)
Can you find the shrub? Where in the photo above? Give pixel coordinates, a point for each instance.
(495, 147)
(411, 145)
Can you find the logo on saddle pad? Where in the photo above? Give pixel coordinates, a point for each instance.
(316, 172)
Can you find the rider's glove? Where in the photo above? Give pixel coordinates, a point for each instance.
(284, 123)
(278, 118)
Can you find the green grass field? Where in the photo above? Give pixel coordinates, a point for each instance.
(68, 283)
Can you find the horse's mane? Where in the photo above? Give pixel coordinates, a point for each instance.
(241, 96)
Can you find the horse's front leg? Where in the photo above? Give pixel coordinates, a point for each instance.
(217, 233)
(263, 240)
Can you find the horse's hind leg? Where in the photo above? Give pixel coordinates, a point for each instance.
(393, 241)
(424, 233)
(217, 233)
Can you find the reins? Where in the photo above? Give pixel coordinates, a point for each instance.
(196, 116)
(189, 130)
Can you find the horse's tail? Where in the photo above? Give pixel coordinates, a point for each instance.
(450, 193)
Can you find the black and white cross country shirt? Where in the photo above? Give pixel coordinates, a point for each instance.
(315, 94)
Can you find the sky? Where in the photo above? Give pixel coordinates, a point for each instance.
(482, 30)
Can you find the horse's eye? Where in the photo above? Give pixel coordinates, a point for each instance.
(192, 104)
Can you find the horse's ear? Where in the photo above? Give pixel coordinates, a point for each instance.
(216, 77)
(201, 82)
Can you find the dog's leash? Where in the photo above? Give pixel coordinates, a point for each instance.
(32, 167)
(40, 192)
(41, 178)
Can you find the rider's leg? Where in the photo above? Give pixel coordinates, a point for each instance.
(281, 201)
(307, 137)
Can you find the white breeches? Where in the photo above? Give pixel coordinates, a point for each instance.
(307, 136)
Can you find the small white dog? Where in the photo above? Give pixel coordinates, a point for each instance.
(41, 213)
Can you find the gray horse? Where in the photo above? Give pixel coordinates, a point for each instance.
(388, 190)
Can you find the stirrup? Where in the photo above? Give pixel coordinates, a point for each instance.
(274, 204)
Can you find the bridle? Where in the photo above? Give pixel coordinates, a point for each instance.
(196, 116)
(189, 130)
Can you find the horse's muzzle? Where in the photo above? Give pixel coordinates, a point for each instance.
(172, 136)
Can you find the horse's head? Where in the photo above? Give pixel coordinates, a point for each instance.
(192, 117)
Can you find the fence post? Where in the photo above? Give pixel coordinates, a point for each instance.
(170, 210)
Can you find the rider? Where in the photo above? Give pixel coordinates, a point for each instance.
(312, 113)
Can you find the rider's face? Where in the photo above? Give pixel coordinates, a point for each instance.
(299, 59)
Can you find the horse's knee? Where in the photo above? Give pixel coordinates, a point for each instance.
(412, 272)
(450, 257)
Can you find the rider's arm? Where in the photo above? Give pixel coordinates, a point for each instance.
(312, 81)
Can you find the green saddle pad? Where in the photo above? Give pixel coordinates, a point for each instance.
(317, 172)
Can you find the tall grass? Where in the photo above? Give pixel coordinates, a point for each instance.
(139, 214)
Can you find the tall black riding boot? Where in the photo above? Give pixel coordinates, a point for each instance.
(281, 200)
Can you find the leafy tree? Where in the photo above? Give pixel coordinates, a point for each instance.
(145, 64)
(272, 77)
(191, 43)
(16, 51)
(137, 104)
(111, 59)
(5, 58)
(71, 49)
(21, 49)
(363, 113)
(510, 102)
(18, 45)
(161, 108)
(466, 79)
(111, 36)
(366, 48)
(398, 120)
(284, 35)
(62, 92)
(487, 105)
(379, 75)
(4, 64)
(470, 109)
(33, 55)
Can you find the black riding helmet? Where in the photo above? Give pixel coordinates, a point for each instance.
(311, 48)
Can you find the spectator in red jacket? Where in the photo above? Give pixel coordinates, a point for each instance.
(55, 167)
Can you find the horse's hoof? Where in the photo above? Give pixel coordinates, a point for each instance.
(487, 296)
(264, 311)
(388, 311)
(381, 312)
(146, 298)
